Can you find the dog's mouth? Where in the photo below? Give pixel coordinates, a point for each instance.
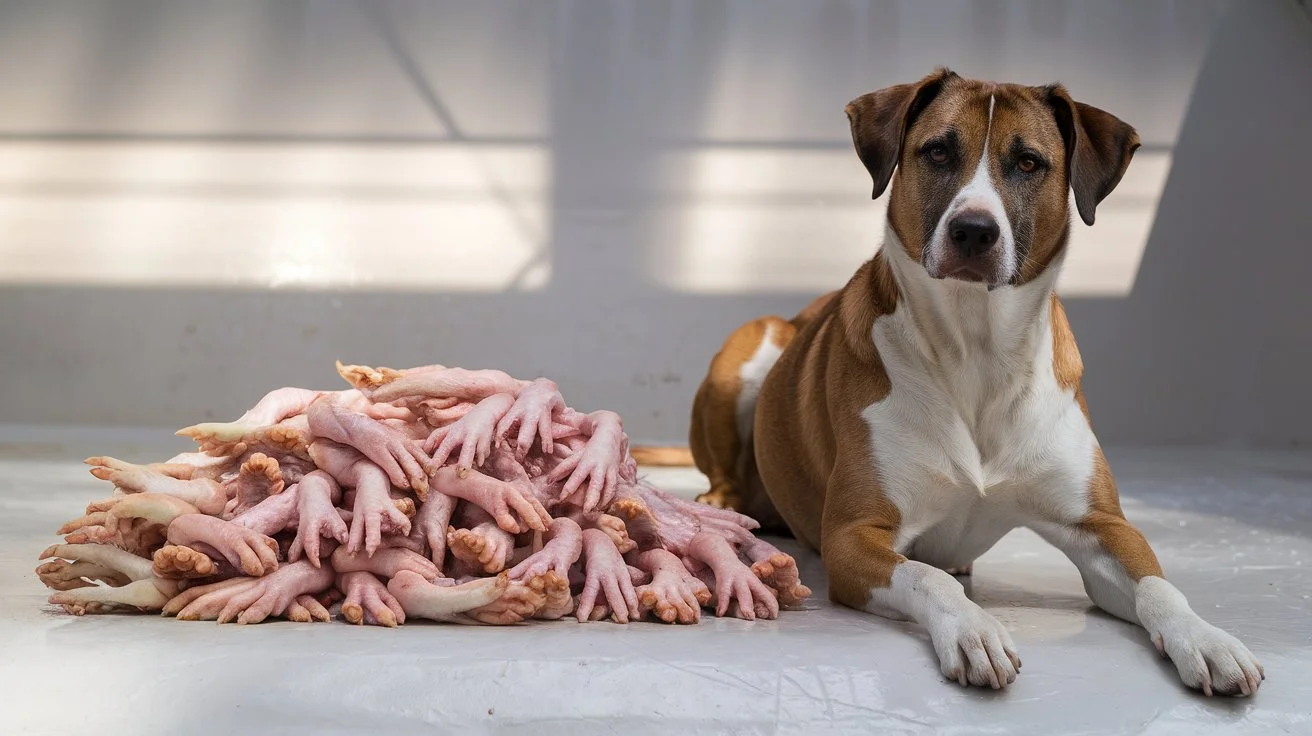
(973, 271)
(967, 272)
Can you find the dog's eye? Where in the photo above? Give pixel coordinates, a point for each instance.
(938, 153)
(1027, 164)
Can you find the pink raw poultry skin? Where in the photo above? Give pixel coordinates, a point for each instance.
(453, 495)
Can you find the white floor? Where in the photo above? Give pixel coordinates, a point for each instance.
(1232, 529)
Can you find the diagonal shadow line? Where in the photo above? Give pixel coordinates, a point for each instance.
(375, 13)
(428, 93)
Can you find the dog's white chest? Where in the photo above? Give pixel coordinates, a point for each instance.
(976, 432)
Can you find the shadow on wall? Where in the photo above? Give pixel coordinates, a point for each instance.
(201, 201)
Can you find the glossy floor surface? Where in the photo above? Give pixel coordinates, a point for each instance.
(1233, 530)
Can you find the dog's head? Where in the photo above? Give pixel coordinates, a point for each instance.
(983, 170)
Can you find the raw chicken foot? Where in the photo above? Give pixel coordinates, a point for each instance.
(432, 382)
(317, 517)
(615, 528)
(287, 437)
(533, 411)
(495, 497)
(420, 598)
(181, 563)
(473, 434)
(778, 571)
(251, 600)
(373, 513)
(519, 601)
(144, 592)
(673, 594)
(117, 512)
(486, 545)
(562, 547)
(555, 591)
(305, 609)
(387, 563)
(366, 594)
(207, 495)
(431, 523)
(607, 575)
(273, 408)
(639, 519)
(734, 582)
(598, 463)
(398, 456)
(65, 575)
(249, 551)
(259, 477)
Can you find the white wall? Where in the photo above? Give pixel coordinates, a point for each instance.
(1215, 343)
(203, 200)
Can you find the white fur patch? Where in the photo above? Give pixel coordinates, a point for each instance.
(972, 646)
(1206, 657)
(752, 374)
(976, 433)
(981, 194)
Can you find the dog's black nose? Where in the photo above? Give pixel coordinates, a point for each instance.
(973, 233)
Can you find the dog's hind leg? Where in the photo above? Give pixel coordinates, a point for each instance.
(725, 407)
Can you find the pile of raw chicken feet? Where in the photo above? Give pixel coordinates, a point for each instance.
(432, 493)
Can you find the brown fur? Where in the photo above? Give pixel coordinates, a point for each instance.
(717, 448)
(1105, 520)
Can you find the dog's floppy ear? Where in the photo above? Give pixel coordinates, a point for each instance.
(1099, 147)
(880, 120)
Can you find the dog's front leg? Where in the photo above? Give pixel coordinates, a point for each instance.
(866, 573)
(1122, 576)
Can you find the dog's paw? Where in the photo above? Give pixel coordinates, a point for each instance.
(1207, 658)
(974, 649)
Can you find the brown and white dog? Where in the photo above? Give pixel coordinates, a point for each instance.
(903, 424)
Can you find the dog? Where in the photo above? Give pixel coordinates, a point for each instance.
(903, 424)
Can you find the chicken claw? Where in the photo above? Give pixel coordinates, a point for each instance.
(249, 551)
(422, 599)
(615, 528)
(495, 497)
(179, 562)
(473, 433)
(65, 575)
(519, 601)
(607, 576)
(318, 518)
(260, 477)
(674, 594)
(555, 590)
(306, 609)
(598, 463)
(367, 594)
(431, 522)
(207, 495)
(374, 514)
(364, 378)
(734, 581)
(252, 600)
(388, 562)
(397, 455)
(143, 591)
(486, 545)
(533, 410)
(778, 571)
(563, 544)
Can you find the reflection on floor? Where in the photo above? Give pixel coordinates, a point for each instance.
(1232, 529)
